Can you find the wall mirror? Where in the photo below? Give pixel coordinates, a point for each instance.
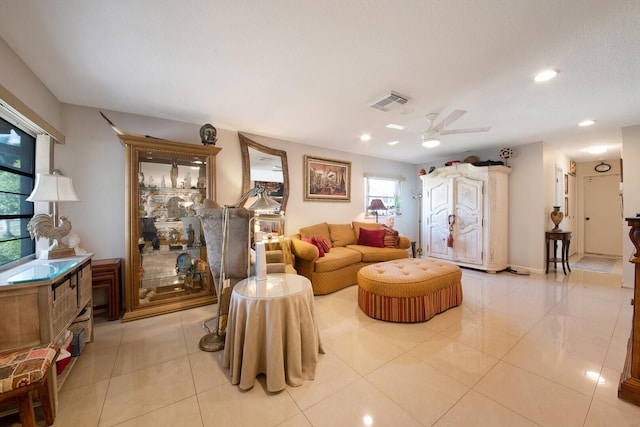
(265, 166)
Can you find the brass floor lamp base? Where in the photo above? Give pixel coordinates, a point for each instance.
(212, 342)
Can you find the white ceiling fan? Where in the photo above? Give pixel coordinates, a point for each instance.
(431, 136)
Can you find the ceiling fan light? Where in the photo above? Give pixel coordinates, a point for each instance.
(430, 142)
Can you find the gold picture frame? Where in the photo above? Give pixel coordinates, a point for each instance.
(326, 180)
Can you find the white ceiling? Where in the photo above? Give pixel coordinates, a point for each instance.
(306, 70)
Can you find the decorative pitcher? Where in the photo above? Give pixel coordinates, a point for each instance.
(556, 217)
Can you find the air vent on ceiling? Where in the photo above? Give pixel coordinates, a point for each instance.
(383, 104)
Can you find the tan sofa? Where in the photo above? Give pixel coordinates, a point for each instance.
(339, 267)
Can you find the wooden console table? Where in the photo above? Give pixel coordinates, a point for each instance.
(106, 275)
(629, 388)
(40, 300)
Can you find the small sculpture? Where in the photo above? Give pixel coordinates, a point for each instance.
(208, 134)
(42, 225)
(191, 234)
(174, 174)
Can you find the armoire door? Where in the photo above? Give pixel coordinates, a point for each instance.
(467, 242)
(439, 201)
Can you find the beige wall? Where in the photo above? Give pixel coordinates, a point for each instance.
(22, 83)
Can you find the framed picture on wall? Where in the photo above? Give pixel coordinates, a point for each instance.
(327, 180)
(566, 183)
(566, 207)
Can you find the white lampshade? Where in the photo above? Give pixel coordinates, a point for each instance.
(53, 188)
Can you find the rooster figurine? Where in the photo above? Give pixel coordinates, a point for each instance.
(42, 225)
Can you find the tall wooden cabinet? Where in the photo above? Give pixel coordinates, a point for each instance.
(465, 215)
(166, 267)
(629, 386)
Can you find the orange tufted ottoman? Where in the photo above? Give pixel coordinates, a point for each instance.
(408, 290)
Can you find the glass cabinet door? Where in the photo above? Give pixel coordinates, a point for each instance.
(167, 267)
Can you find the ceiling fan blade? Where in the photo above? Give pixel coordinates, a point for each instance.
(455, 115)
(469, 130)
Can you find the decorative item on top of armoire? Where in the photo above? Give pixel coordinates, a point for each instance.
(556, 217)
(506, 154)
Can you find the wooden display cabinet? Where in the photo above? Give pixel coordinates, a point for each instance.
(166, 266)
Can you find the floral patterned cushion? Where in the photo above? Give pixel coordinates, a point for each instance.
(24, 367)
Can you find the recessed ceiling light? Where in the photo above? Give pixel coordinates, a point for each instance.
(394, 126)
(586, 123)
(392, 142)
(430, 143)
(545, 75)
(365, 137)
(596, 150)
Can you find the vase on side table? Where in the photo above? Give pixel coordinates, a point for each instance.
(556, 217)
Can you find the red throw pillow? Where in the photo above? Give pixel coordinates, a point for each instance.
(322, 242)
(314, 242)
(371, 237)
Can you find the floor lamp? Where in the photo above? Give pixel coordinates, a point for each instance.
(214, 340)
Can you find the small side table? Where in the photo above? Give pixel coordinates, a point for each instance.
(555, 237)
(106, 275)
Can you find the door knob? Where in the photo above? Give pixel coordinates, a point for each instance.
(587, 218)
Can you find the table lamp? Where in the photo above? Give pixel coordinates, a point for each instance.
(376, 205)
(52, 188)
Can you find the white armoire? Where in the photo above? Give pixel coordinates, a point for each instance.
(465, 215)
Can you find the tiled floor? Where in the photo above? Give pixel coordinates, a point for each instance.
(516, 353)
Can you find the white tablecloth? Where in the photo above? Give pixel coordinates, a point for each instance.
(272, 329)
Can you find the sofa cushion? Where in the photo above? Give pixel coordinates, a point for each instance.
(322, 242)
(371, 254)
(321, 229)
(314, 241)
(371, 237)
(342, 234)
(391, 237)
(368, 225)
(338, 257)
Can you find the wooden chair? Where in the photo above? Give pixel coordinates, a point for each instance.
(24, 371)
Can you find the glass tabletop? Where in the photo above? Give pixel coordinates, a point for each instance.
(274, 286)
(45, 271)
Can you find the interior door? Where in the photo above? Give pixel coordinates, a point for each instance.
(468, 226)
(439, 203)
(603, 215)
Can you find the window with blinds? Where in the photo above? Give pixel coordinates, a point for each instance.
(17, 176)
